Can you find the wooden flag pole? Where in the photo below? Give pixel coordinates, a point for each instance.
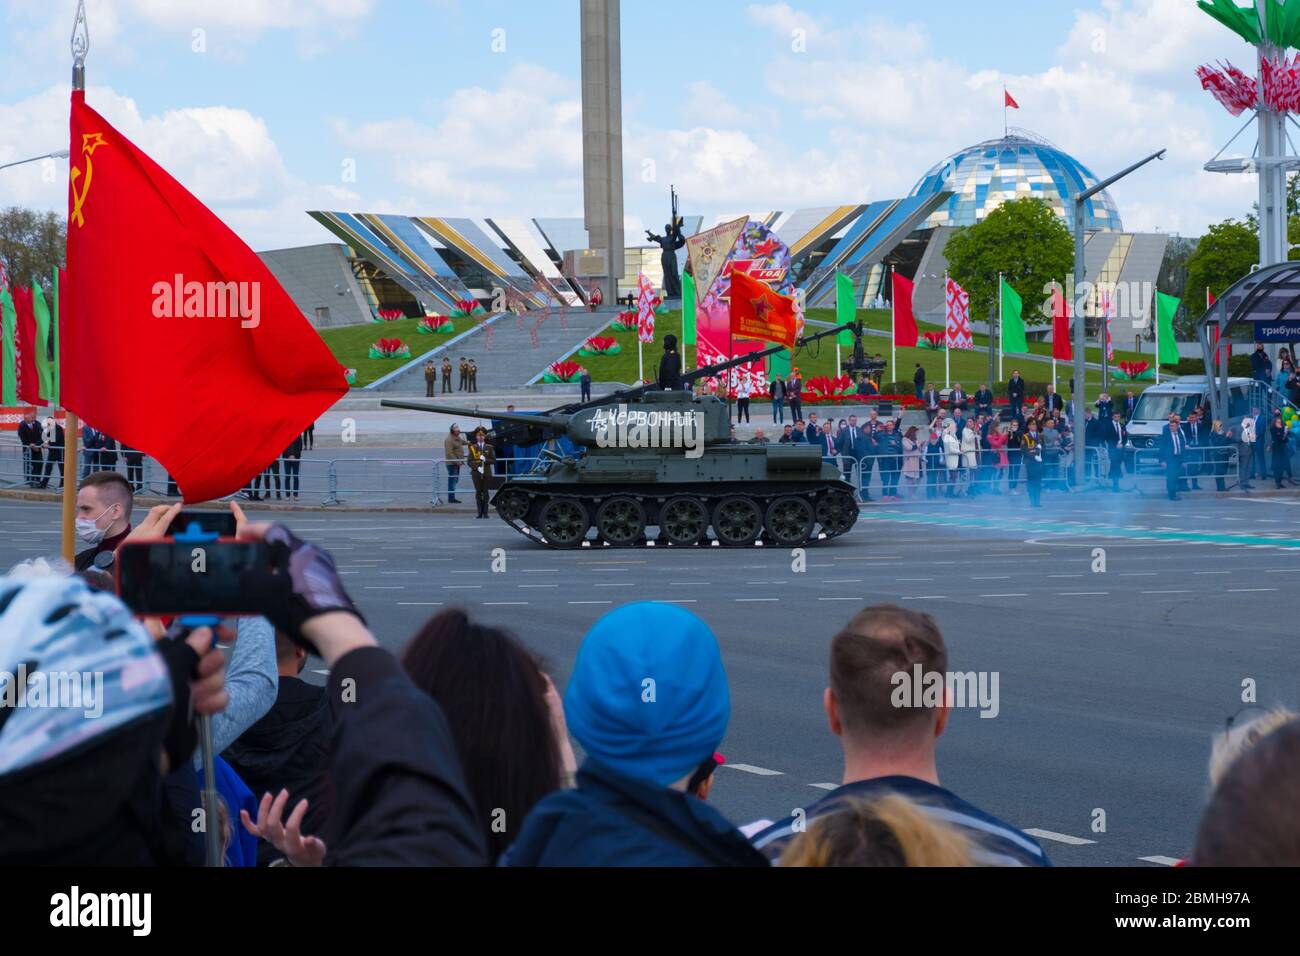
(947, 345)
(80, 46)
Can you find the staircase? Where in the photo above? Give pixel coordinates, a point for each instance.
(509, 350)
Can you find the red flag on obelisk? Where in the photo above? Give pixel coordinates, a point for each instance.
(174, 336)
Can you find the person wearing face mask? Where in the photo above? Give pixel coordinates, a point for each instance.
(104, 504)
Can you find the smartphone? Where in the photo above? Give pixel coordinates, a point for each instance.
(210, 522)
(179, 577)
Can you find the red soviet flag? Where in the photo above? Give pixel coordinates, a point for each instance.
(174, 337)
(1008, 101)
(904, 320)
(1061, 348)
(759, 312)
(25, 345)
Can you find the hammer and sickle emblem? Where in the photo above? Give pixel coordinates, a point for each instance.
(89, 143)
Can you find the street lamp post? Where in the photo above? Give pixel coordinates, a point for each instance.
(1080, 339)
(57, 154)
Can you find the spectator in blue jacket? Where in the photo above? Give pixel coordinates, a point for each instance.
(1261, 366)
(649, 703)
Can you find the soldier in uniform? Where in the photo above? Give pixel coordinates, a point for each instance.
(463, 382)
(481, 457)
(472, 371)
(446, 375)
(430, 379)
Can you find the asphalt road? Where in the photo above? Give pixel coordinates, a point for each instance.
(1111, 681)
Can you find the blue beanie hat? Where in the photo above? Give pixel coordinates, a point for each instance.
(648, 694)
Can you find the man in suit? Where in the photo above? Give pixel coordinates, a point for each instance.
(813, 428)
(92, 440)
(794, 393)
(931, 399)
(797, 434)
(33, 439)
(1053, 402)
(1198, 437)
(984, 400)
(777, 391)
(826, 442)
(1130, 404)
(856, 443)
(957, 398)
(481, 458)
(1113, 436)
(134, 468)
(959, 419)
(1016, 393)
(1105, 407)
(584, 384)
(1173, 451)
(918, 379)
(54, 438)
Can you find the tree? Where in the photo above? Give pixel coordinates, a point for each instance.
(1223, 255)
(31, 243)
(1025, 241)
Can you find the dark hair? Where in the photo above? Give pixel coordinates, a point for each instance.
(879, 642)
(492, 690)
(1251, 818)
(109, 480)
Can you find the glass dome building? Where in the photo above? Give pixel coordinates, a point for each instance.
(1020, 164)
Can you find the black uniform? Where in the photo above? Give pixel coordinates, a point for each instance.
(32, 436)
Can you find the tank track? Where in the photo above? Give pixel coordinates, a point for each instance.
(773, 514)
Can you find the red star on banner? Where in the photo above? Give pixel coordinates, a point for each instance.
(761, 307)
(767, 247)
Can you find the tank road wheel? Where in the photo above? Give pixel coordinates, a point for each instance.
(563, 522)
(683, 520)
(512, 505)
(790, 520)
(837, 512)
(737, 521)
(620, 521)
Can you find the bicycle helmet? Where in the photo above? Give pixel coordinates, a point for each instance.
(75, 666)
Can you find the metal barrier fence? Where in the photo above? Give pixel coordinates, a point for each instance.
(880, 476)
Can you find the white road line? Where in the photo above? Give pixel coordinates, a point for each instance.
(750, 768)
(420, 603)
(913, 579)
(1211, 572)
(537, 585)
(1014, 594)
(825, 786)
(500, 603)
(480, 571)
(1059, 837)
(673, 601)
(923, 597)
(1173, 591)
(1078, 593)
(590, 602)
(1138, 574)
(1073, 574)
(750, 600)
(615, 585)
(1243, 590)
(1163, 860)
(384, 587)
(990, 577)
(462, 587)
(851, 598)
(843, 581)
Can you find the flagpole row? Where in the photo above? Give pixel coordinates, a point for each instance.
(80, 44)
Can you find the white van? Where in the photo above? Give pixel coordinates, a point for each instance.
(1181, 396)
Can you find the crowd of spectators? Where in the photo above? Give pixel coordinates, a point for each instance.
(457, 751)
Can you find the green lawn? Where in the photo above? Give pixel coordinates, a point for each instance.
(969, 368)
(351, 344)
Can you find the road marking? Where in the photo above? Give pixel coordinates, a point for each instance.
(1015, 594)
(500, 603)
(1162, 860)
(913, 579)
(673, 601)
(462, 587)
(591, 602)
(750, 768)
(825, 786)
(615, 585)
(990, 577)
(843, 581)
(1137, 574)
(1211, 572)
(384, 587)
(852, 598)
(1073, 574)
(1059, 837)
(1243, 590)
(1078, 593)
(923, 597)
(1173, 591)
(481, 571)
(537, 585)
(420, 603)
(743, 600)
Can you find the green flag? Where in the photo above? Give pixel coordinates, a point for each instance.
(778, 364)
(42, 313)
(54, 337)
(8, 358)
(846, 312)
(688, 310)
(1013, 324)
(1166, 309)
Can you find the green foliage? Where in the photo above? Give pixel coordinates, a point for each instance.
(1224, 255)
(1238, 365)
(31, 243)
(1024, 240)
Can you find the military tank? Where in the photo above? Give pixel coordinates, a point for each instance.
(663, 460)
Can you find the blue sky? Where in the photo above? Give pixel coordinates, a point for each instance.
(745, 106)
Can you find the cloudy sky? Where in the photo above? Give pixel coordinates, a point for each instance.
(266, 108)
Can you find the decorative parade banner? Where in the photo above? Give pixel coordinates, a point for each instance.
(708, 252)
(759, 253)
(958, 330)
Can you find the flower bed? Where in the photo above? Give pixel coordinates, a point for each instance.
(626, 322)
(467, 307)
(600, 345)
(432, 324)
(388, 315)
(390, 349)
(563, 372)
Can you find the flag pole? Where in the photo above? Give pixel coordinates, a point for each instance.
(1157, 318)
(999, 326)
(80, 43)
(893, 325)
(947, 351)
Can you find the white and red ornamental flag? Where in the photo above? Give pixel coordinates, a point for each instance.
(645, 309)
(957, 331)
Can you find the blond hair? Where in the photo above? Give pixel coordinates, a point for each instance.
(1230, 744)
(886, 831)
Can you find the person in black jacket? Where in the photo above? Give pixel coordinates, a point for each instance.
(648, 701)
(670, 366)
(984, 401)
(918, 380)
(1016, 394)
(134, 467)
(289, 747)
(292, 464)
(1277, 433)
(54, 452)
(1173, 452)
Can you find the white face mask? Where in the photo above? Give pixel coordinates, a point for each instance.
(89, 532)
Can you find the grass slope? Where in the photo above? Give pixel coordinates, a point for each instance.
(351, 344)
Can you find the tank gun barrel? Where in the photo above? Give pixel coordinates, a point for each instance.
(556, 422)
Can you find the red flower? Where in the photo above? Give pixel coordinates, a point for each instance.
(1133, 369)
